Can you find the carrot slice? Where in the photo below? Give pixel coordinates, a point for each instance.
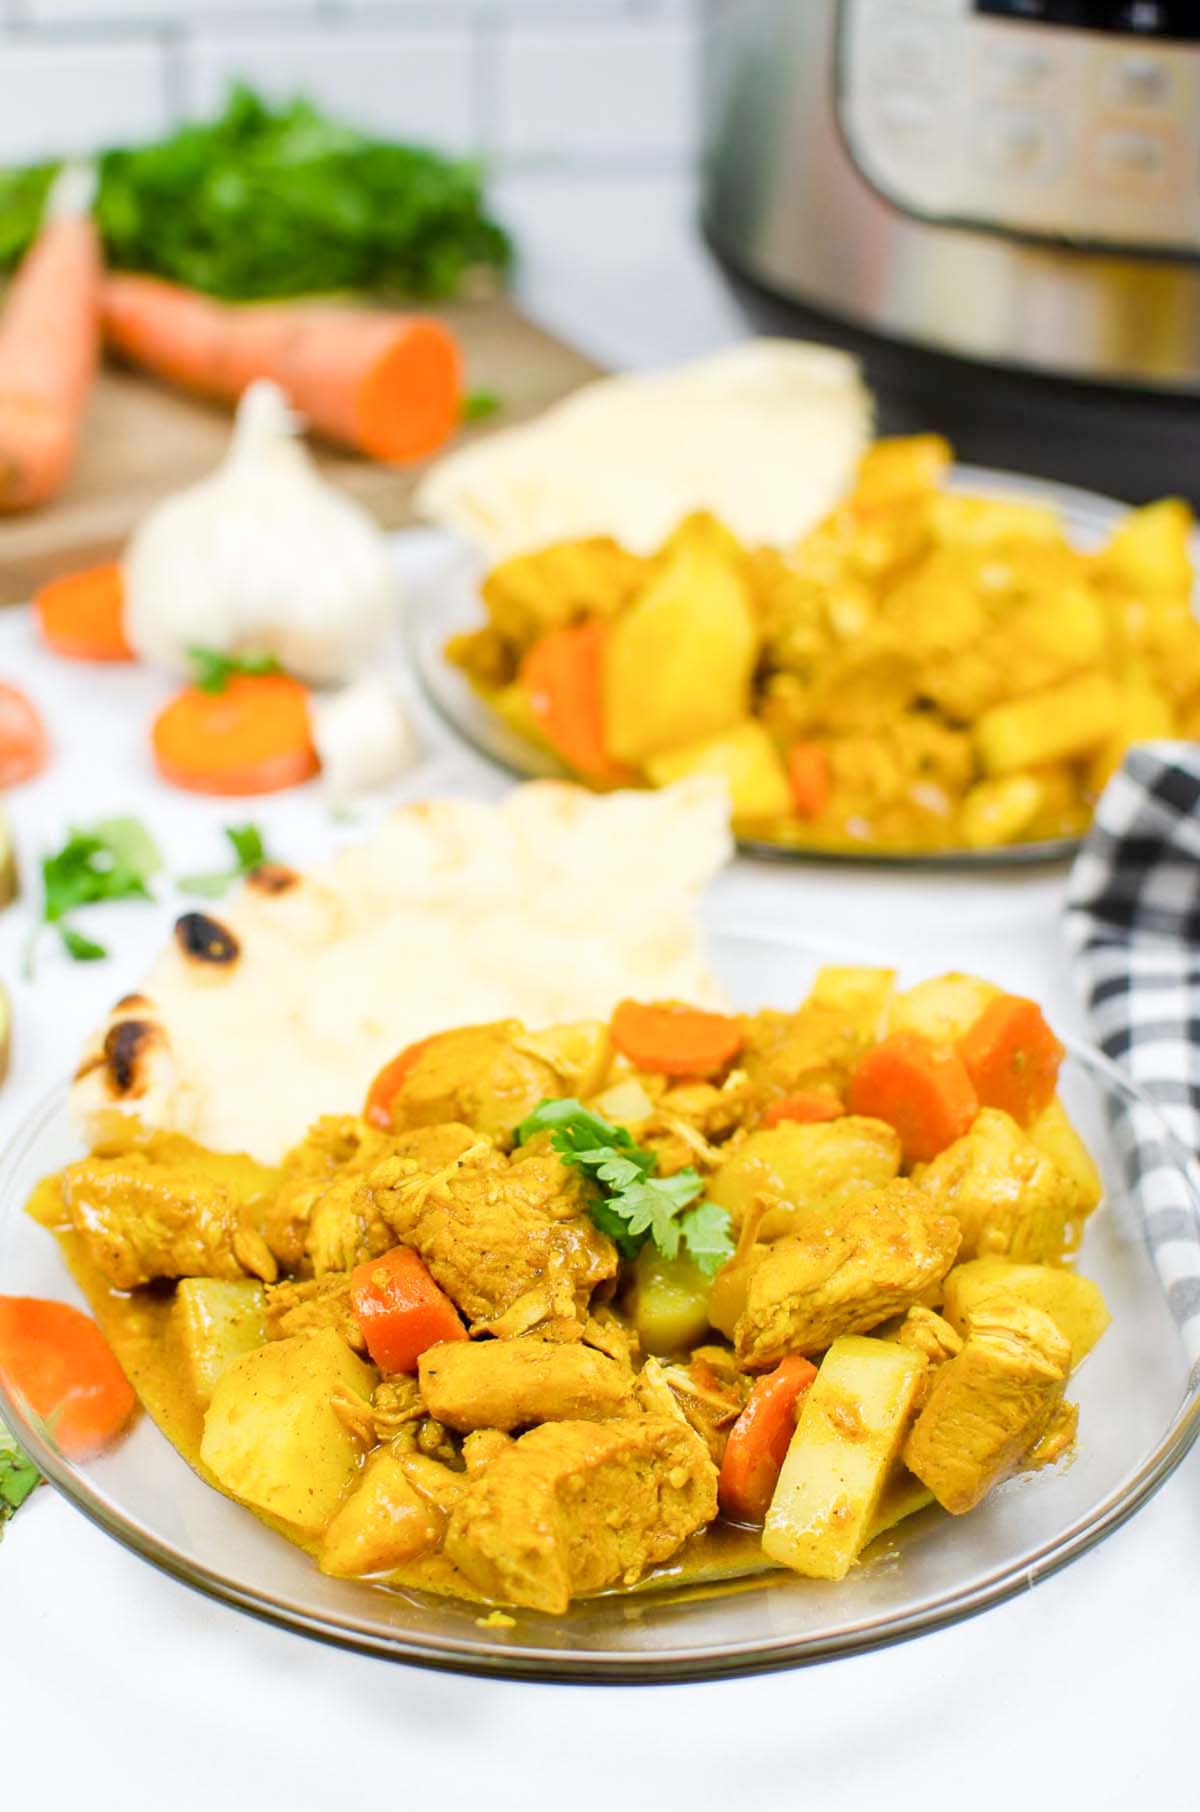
(82, 614)
(808, 777)
(253, 737)
(674, 1039)
(1013, 1057)
(759, 1440)
(377, 1109)
(562, 676)
(388, 384)
(57, 1359)
(920, 1088)
(808, 1106)
(401, 1310)
(24, 745)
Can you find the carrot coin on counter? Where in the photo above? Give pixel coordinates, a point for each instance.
(254, 736)
(57, 1359)
(24, 745)
(82, 614)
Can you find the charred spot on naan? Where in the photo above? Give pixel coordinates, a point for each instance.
(205, 940)
(126, 1056)
(272, 879)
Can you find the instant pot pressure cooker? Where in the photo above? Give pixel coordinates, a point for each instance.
(996, 203)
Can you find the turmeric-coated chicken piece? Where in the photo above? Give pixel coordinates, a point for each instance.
(990, 1405)
(478, 1075)
(336, 1146)
(504, 1236)
(573, 1507)
(315, 1302)
(1010, 1199)
(844, 1272)
(345, 1228)
(513, 1383)
(142, 1217)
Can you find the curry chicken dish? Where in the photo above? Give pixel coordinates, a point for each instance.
(601, 1306)
(925, 671)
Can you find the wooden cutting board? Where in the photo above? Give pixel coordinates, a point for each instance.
(142, 441)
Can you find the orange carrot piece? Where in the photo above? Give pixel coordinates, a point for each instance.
(920, 1088)
(254, 737)
(377, 1109)
(59, 1362)
(808, 777)
(674, 1039)
(49, 347)
(808, 1106)
(562, 675)
(82, 615)
(387, 384)
(1012, 1057)
(24, 745)
(401, 1310)
(759, 1440)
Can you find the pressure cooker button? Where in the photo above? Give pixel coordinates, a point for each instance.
(1016, 143)
(1131, 159)
(1017, 73)
(912, 53)
(908, 120)
(1138, 82)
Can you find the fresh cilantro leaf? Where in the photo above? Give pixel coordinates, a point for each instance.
(212, 670)
(110, 860)
(79, 948)
(18, 1476)
(246, 841)
(706, 1236)
(632, 1204)
(478, 405)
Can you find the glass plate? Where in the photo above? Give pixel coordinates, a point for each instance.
(453, 607)
(1138, 1415)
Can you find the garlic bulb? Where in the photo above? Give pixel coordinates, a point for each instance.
(262, 555)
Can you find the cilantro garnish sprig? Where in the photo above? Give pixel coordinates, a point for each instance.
(110, 860)
(249, 853)
(18, 1476)
(631, 1204)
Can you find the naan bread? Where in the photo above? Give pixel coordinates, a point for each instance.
(552, 905)
(766, 436)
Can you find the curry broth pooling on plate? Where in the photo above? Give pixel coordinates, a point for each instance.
(923, 672)
(683, 1296)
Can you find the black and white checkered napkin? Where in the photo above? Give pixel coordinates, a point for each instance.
(1133, 922)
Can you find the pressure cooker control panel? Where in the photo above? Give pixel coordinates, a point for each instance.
(1058, 119)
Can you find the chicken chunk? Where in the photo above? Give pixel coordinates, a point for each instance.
(512, 1383)
(502, 1235)
(478, 1075)
(140, 1219)
(845, 1272)
(336, 1146)
(991, 1404)
(573, 1507)
(317, 1302)
(1008, 1197)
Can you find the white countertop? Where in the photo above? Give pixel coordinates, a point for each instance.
(121, 1689)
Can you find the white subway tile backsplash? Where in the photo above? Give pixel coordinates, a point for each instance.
(621, 90)
(412, 83)
(77, 97)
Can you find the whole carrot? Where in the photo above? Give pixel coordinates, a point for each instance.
(49, 345)
(388, 384)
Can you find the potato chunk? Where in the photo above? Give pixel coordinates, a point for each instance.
(272, 1436)
(679, 659)
(215, 1320)
(991, 1405)
(1058, 724)
(1009, 1198)
(845, 1272)
(1073, 1302)
(851, 1428)
(512, 1383)
(747, 761)
(573, 1507)
(811, 1168)
(1053, 1133)
(942, 1008)
(385, 1521)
